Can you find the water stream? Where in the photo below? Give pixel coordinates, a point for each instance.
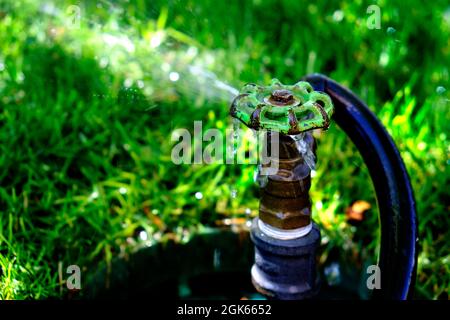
(305, 150)
(259, 178)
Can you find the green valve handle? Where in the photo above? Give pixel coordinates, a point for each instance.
(288, 109)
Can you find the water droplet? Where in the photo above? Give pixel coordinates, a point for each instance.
(440, 90)
(192, 51)
(128, 83)
(174, 76)
(198, 195)
(123, 190)
(20, 77)
(216, 261)
(390, 30)
(421, 146)
(235, 127)
(94, 195)
(305, 150)
(384, 59)
(289, 62)
(236, 135)
(157, 39)
(140, 84)
(333, 273)
(319, 205)
(143, 235)
(157, 236)
(103, 62)
(338, 15)
(185, 236)
(260, 179)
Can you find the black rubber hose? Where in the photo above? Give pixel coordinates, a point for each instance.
(399, 237)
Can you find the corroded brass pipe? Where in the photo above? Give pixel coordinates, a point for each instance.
(285, 201)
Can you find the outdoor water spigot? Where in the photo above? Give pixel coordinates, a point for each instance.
(284, 235)
(285, 238)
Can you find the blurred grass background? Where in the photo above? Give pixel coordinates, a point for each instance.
(88, 105)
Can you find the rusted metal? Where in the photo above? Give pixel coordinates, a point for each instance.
(288, 109)
(282, 97)
(285, 201)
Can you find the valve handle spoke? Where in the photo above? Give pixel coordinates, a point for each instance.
(288, 109)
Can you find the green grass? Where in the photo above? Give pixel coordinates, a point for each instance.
(85, 126)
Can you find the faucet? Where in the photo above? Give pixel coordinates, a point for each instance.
(285, 237)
